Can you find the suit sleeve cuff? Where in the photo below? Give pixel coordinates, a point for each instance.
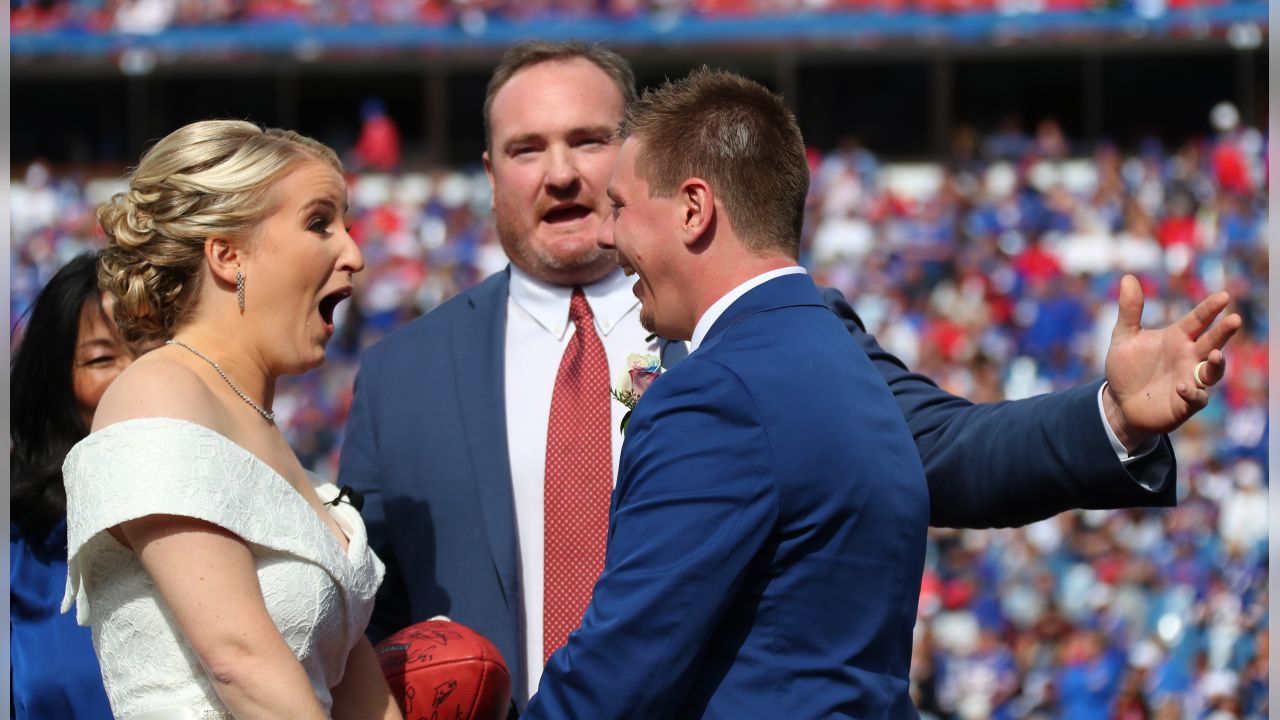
(1126, 458)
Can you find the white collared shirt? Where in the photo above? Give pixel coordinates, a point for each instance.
(537, 333)
(718, 307)
(1139, 452)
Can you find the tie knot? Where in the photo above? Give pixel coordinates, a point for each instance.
(580, 312)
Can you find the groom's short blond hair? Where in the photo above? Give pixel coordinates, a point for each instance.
(738, 136)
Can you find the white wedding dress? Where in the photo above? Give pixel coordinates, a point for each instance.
(319, 597)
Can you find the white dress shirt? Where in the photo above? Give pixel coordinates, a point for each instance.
(718, 307)
(538, 331)
(1139, 452)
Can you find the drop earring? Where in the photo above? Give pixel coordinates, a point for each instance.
(240, 290)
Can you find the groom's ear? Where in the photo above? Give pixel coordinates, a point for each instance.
(697, 205)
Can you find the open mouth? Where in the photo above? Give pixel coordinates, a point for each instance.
(329, 303)
(566, 214)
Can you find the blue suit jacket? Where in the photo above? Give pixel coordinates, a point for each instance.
(766, 537)
(426, 442)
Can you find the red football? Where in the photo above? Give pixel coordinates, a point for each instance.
(440, 669)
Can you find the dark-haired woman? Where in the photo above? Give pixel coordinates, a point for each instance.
(68, 354)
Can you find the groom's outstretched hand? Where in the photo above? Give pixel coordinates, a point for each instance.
(1157, 379)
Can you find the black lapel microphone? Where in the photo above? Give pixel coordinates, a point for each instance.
(353, 497)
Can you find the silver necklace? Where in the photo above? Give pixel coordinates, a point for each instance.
(268, 416)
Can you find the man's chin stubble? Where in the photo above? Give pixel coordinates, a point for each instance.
(581, 270)
(646, 320)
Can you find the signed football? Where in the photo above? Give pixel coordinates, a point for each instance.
(441, 669)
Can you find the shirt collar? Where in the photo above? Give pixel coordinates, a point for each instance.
(717, 308)
(610, 299)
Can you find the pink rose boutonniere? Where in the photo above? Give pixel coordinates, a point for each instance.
(642, 370)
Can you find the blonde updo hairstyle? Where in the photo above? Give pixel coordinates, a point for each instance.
(207, 179)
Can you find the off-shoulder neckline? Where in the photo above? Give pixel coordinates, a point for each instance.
(348, 553)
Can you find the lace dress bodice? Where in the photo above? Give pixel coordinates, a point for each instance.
(319, 596)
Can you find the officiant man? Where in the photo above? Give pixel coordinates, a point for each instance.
(466, 427)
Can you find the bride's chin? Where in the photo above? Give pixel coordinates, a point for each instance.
(312, 363)
(303, 363)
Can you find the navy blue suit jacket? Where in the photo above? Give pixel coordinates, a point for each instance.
(766, 536)
(426, 442)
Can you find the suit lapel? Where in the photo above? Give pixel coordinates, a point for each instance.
(479, 349)
(671, 352)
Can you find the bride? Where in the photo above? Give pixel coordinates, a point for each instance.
(220, 578)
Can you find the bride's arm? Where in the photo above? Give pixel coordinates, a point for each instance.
(207, 578)
(363, 693)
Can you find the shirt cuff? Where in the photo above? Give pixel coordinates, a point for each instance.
(1122, 454)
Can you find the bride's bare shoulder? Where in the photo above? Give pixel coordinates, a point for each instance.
(158, 385)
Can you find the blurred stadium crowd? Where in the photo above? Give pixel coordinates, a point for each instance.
(151, 16)
(995, 272)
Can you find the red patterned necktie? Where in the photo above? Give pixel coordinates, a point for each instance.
(579, 479)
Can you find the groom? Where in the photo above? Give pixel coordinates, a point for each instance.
(767, 534)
